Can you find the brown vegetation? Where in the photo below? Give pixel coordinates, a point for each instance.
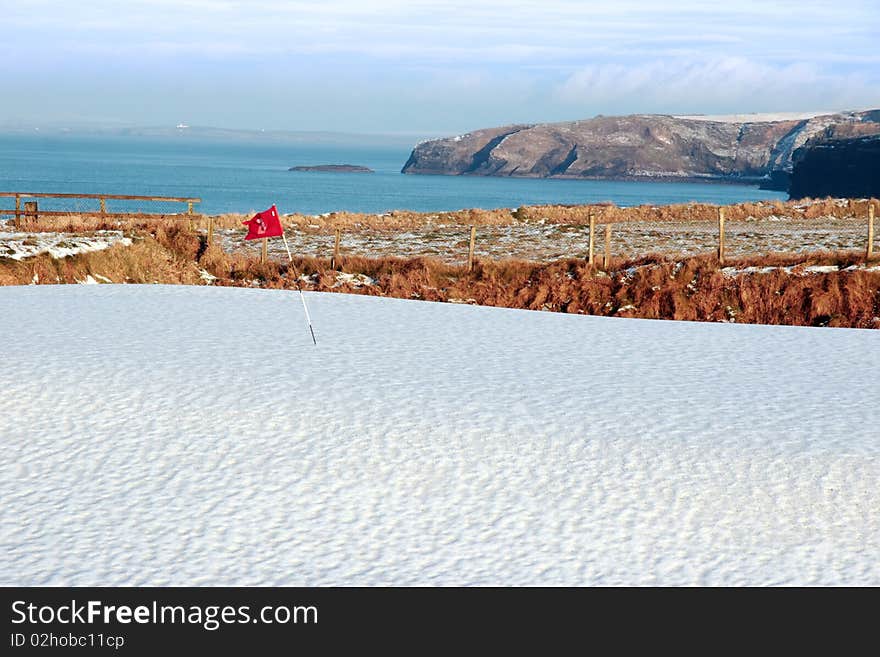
(147, 260)
(577, 215)
(650, 287)
(399, 220)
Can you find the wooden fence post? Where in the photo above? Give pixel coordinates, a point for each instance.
(189, 212)
(592, 259)
(607, 260)
(103, 206)
(721, 236)
(334, 261)
(470, 265)
(31, 210)
(869, 253)
(210, 230)
(18, 212)
(264, 251)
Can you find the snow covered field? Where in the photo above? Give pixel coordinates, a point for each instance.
(193, 435)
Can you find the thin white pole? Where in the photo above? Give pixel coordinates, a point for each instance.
(284, 237)
(301, 295)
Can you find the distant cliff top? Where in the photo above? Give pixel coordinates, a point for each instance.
(642, 146)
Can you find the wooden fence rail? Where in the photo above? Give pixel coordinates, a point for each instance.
(31, 209)
(122, 197)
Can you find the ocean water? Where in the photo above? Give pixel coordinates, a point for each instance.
(241, 176)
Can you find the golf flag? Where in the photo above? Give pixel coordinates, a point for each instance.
(267, 224)
(264, 224)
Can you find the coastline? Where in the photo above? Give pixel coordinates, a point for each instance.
(651, 178)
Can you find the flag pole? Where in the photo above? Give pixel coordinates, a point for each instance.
(298, 287)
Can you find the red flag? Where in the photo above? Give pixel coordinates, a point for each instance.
(264, 224)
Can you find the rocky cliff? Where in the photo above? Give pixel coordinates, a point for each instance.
(632, 147)
(842, 161)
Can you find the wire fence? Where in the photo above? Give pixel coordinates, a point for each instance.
(551, 241)
(535, 233)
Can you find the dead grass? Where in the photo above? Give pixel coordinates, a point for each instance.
(652, 286)
(692, 289)
(77, 223)
(405, 220)
(145, 261)
(576, 215)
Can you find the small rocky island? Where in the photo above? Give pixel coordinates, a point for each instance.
(334, 168)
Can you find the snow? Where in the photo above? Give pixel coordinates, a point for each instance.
(355, 280)
(18, 246)
(754, 118)
(798, 270)
(194, 435)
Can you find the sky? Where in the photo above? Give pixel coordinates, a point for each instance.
(431, 68)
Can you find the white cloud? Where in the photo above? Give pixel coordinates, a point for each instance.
(721, 84)
(480, 30)
(499, 60)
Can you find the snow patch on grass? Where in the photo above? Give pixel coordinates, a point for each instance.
(355, 280)
(19, 246)
(798, 270)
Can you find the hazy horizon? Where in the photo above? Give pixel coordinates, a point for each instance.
(121, 129)
(426, 68)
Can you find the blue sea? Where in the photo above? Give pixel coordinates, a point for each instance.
(235, 175)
